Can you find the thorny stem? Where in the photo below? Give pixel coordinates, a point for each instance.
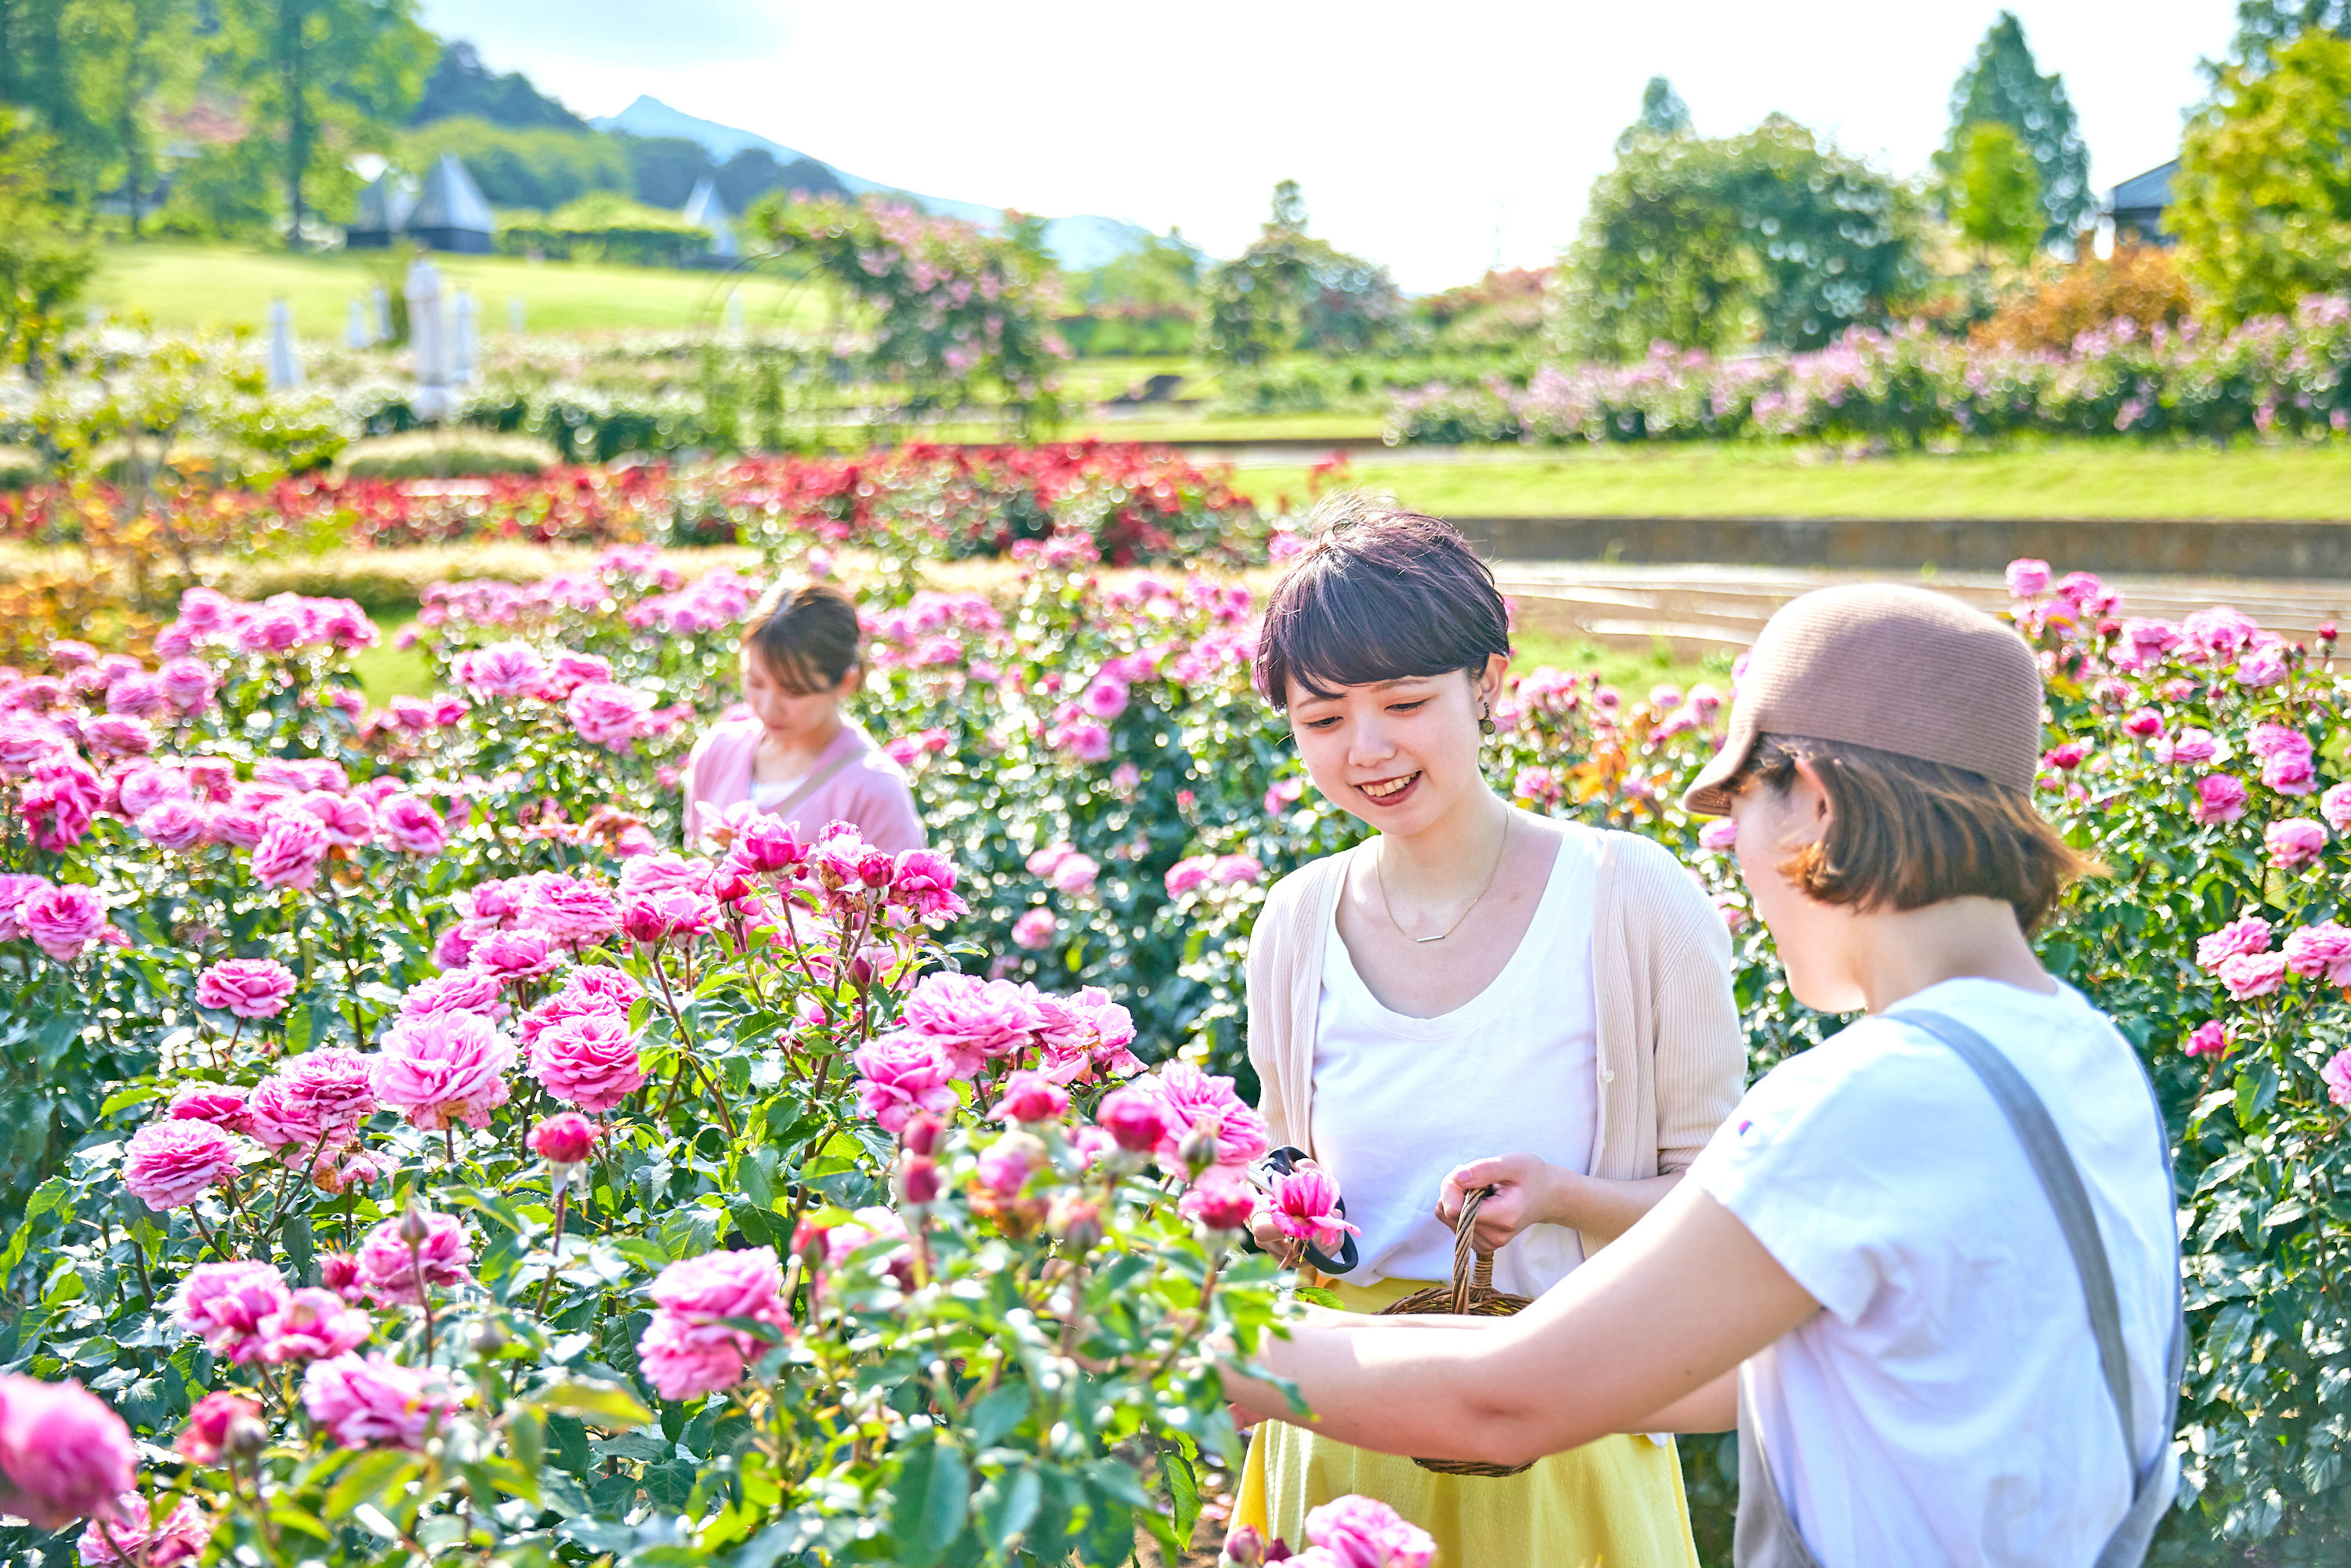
(423, 1296)
(555, 1263)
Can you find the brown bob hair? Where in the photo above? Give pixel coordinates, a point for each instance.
(1905, 833)
(1380, 594)
(807, 635)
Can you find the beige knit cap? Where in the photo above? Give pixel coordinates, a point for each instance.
(1899, 669)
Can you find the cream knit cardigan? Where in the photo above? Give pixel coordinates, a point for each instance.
(1671, 1060)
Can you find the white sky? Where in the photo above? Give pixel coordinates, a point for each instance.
(1433, 137)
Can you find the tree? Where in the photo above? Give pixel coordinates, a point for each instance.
(1663, 113)
(1288, 290)
(1992, 191)
(663, 170)
(539, 169)
(753, 172)
(323, 79)
(1716, 243)
(43, 264)
(461, 87)
(2262, 200)
(125, 57)
(2264, 28)
(2003, 85)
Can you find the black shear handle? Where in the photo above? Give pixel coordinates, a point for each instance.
(1283, 1162)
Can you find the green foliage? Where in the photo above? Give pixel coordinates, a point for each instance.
(43, 266)
(2003, 85)
(1992, 191)
(538, 168)
(227, 191)
(462, 88)
(1663, 113)
(132, 56)
(2261, 203)
(1288, 290)
(2264, 28)
(1716, 244)
(441, 454)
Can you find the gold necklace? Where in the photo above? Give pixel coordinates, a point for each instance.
(1380, 876)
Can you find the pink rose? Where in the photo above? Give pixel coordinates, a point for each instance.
(188, 685)
(457, 991)
(149, 785)
(2336, 1076)
(1042, 861)
(2292, 774)
(2250, 935)
(205, 1436)
(2220, 798)
(668, 914)
(290, 850)
(181, 1537)
(2321, 949)
(1361, 1533)
(1075, 873)
(2249, 975)
(608, 715)
(1005, 1165)
(667, 870)
(503, 670)
(317, 1099)
(683, 1362)
(511, 955)
(900, 1074)
(603, 983)
(2143, 724)
(2028, 579)
(1031, 1097)
(2294, 842)
(112, 735)
(1035, 929)
(63, 1454)
(170, 1163)
(375, 1403)
(178, 825)
(60, 803)
(249, 987)
(2064, 757)
(63, 922)
(1191, 1099)
(390, 1263)
(570, 911)
(349, 822)
(15, 889)
(1236, 870)
(971, 1020)
(312, 1325)
(1105, 698)
(1084, 740)
(443, 1068)
(924, 881)
(589, 1061)
(690, 1350)
(1306, 1205)
(2210, 1038)
(566, 1138)
(225, 1303)
(1134, 1119)
(1219, 1204)
(239, 827)
(223, 1107)
(2194, 746)
(411, 826)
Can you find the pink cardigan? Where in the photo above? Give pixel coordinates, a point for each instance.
(870, 791)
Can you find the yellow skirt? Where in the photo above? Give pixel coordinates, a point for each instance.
(1615, 1503)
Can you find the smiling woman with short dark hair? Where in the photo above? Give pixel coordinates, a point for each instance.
(1476, 997)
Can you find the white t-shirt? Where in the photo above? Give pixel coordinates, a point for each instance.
(1400, 1101)
(768, 797)
(1948, 1406)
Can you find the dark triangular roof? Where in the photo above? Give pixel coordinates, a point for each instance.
(2152, 189)
(385, 205)
(450, 201)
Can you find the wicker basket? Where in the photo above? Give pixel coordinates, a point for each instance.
(1472, 1294)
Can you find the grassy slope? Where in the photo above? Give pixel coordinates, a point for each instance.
(2078, 480)
(186, 286)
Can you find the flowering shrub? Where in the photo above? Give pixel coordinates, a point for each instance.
(2272, 376)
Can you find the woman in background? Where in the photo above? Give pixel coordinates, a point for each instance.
(787, 748)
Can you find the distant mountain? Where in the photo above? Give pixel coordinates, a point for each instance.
(1077, 243)
(462, 85)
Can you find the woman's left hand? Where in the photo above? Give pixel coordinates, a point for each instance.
(1525, 1193)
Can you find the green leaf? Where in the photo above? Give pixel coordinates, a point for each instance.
(366, 1478)
(999, 1413)
(1183, 1484)
(1007, 1505)
(927, 1504)
(2257, 1088)
(607, 1403)
(123, 1099)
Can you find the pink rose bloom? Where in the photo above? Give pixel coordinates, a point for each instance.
(1005, 1165)
(2143, 724)
(1539, 785)
(511, 955)
(15, 889)
(503, 670)
(1083, 738)
(603, 983)
(900, 1074)
(2194, 746)
(1074, 873)
(138, 695)
(1237, 870)
(2064, 757)
(1042, 862)
(2248, 975)
(566, 1138)
(291, 848)
(375, 1403)
(225, 1303)
(683, 1362)
(608, 715)
(182, 1537)
(249, 987)
(571, 671)
(178, 825)
(2335, 807)
(411, 826)
(205, 1436)
(1219, 1204)
(1196, 1099)
(570, 911)
(443, 1068)
(2292, 774)
(2250, 935)
(1084, 1032)
(491, 905)
(647, 874)
(1718, 834)
(349, 822)
(223, 1107)
(2268, 740)
(389, 1265)
(566, 1004)
(1035, 929)
(1306, 1205)
(318, 1099)
(2220, 632)
(457, 991)
(171, 1163)
(766, 843)
(63, 922)
(1134, 1119)
(188, 685)
(2028, 579)
(2220, 798)
(112, 735)
(924, 881)
(2264, 666)
(314, 1324)
(2336, 1076)
(669, 915)
(59, 803)
(589, 1061)
(149, 785)
(971, 1020)
(689, 1351)
(1186, 876)
(2210, 1039)
(1105, 698)
(64, 1455)
(1031, 1097)
(2321, 949)
(2294, 842)
(239, 827)
(1360, 1533)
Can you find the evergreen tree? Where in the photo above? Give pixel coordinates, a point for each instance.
(1289, 291)
(461, 87)
(2003, 85)
(2264, 28)
(1663, 113)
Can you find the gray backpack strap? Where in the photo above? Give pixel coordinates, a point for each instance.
(2061, 1180)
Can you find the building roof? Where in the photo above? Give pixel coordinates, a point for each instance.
(450, 200)
(2152, 189)
(706, 210)
(385, 205)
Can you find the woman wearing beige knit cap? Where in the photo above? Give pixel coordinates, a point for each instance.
(1928, 1269)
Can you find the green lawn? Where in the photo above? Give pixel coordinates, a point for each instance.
(387, 672)
(2086, 479)
(188, 286)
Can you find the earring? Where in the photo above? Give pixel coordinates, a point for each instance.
(1485, 721)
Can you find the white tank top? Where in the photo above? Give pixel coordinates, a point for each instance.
(1400, 1101)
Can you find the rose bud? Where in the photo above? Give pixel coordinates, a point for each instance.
(1134, 1119)
(919, 1179)
(1075, 1222)
(1220, 1207)
(2326, 631)
(922, 1134)
(205, 1436)
(246, 1437)
(813, 1243)
(1005, 1165)
(1031, 1097)
(643, 923)
(489, 1337)
(1245, 1548)
(1199, 1148)
(415, 1229)
(564, 1139)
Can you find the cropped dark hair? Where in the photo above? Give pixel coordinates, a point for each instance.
(807, 635)
(1904, 832)
(1379, 595)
